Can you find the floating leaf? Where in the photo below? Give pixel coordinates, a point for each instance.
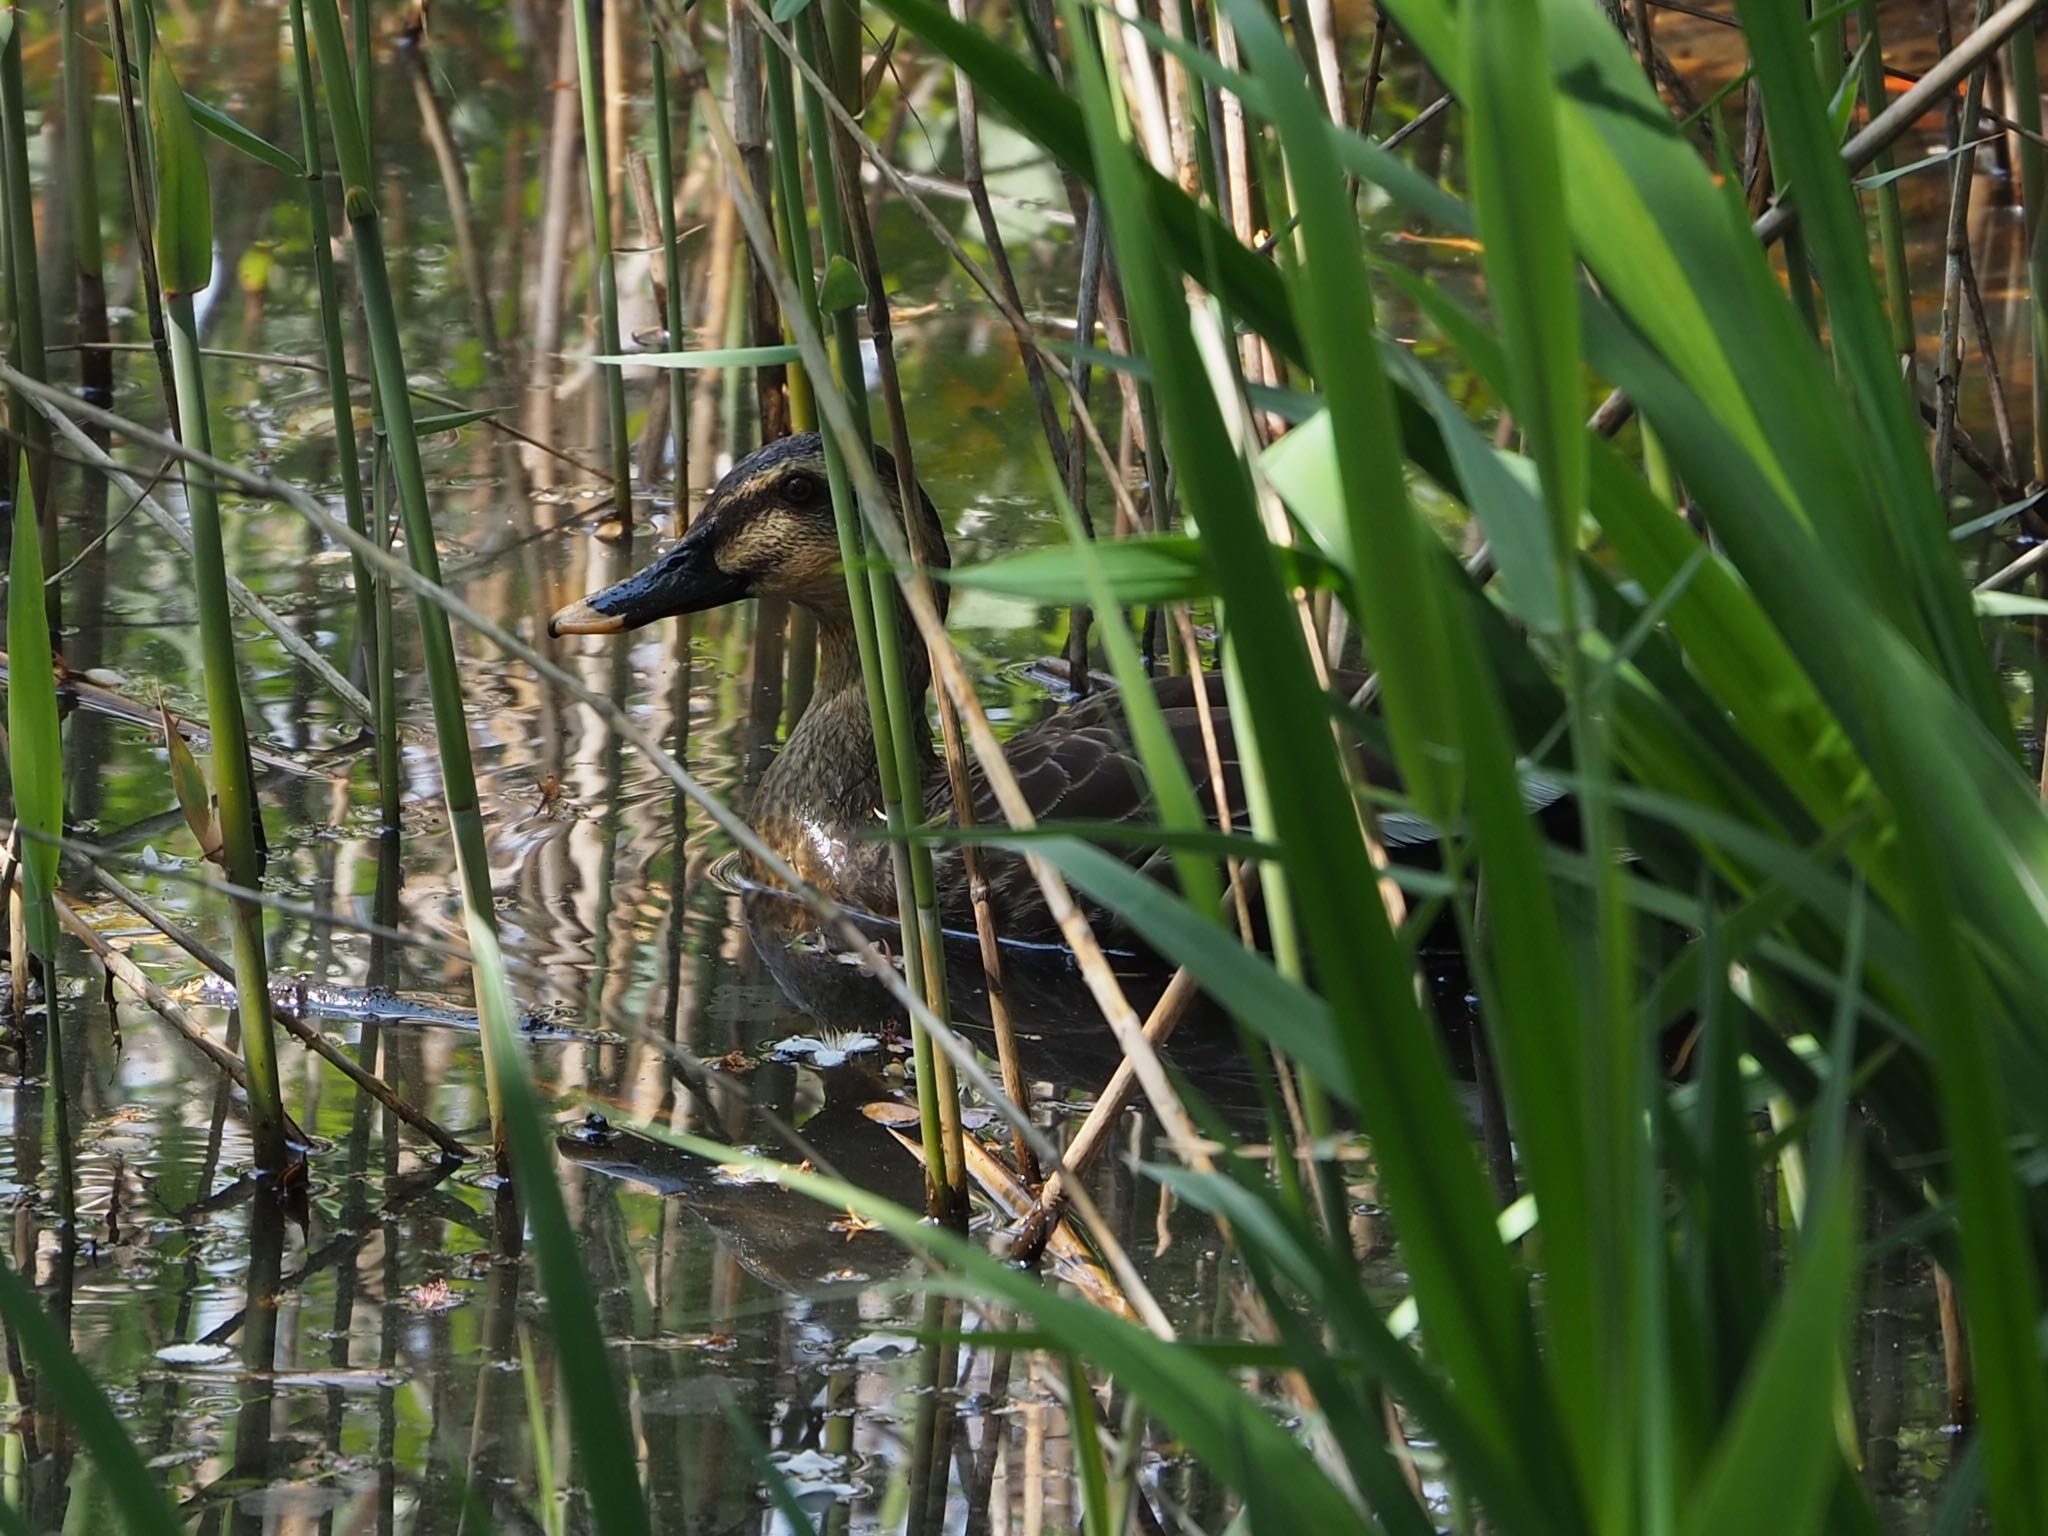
(193, 797)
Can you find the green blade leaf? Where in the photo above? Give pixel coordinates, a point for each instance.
(604, 1440)
(190, 784)
(1777, 1459)
(1160, 568)
(36, 750)
(184, 203)
(237, 136)
(136, 1491)
(449, 421)
(709, 357)
(841, 288)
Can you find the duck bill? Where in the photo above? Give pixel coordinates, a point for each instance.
(685, 580)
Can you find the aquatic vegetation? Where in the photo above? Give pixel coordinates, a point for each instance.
(1581, 429)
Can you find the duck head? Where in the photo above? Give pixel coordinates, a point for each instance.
(766, 530)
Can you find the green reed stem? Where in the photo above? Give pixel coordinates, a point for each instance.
(339, 405)
(233, 783)
(1891, 224)
(845, 222)
(908, 731)
(867, 605)
(387, 357)
(672, 268)
(390, 779)
(589, 83)
(35, 760)
(17, 210)
(138, 157)
(81, 171)
(361, 18)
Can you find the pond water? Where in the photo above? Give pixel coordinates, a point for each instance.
(366, 1369)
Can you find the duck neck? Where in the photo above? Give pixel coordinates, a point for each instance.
(824, 784)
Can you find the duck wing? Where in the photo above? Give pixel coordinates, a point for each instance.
(1081, 765)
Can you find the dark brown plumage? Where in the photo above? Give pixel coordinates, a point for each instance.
(767, 531)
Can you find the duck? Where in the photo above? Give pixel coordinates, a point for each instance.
(767, 531)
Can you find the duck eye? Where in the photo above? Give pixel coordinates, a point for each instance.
(800, 489)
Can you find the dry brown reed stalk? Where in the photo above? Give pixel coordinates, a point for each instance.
(1994, 376)
(623, 722)
(1182, 103)
(1373, 77)
(556, 228)
(968, 109)
(1956, 253)
(1255, 357)
(1089, 1142)
(454, 185)
(1863, 147)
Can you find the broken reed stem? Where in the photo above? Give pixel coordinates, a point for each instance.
(1089, 1141)
(312, 1038)
(125, 971)
(844, 929)
(602, 262)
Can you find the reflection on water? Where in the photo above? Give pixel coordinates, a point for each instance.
(364, 1367)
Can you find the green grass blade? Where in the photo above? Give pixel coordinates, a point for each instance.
(1777, 1460)
(36, 750)
(604, 1440)
(87, 1414)
(184, 208)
